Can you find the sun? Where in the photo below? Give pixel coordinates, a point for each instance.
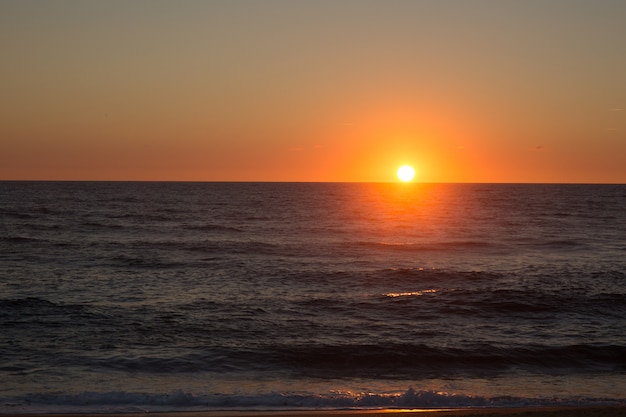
(406, 173)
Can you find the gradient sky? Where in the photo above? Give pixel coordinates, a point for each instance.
(339, 90)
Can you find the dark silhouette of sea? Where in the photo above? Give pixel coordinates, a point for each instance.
(121, 296)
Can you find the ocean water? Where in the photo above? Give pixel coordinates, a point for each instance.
(209, 296)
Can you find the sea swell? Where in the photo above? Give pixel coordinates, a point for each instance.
(391, 361)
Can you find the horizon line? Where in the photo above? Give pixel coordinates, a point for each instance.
(313, 182)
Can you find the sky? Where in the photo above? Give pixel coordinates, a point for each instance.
(320, 90)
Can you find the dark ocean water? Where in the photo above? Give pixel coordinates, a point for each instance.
(188, 296)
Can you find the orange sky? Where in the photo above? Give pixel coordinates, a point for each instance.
(466, 91)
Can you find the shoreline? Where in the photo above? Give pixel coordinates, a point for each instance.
(569, 411)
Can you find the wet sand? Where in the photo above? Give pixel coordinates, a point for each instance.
(612, 411)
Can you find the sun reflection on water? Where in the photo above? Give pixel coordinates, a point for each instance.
(412, 293)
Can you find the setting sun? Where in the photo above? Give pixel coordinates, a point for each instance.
(406, 173)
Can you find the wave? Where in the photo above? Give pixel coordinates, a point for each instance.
(23, 240)
(503, 245)
(232, 247)
(213, 228)
(143, 217)
(415, 359)
(16, 214)
(101, 225)
(426, 247)
(120, 401)
(401, 361)
(37, 307)
(430, 276)
(143, 262)
(562, 244)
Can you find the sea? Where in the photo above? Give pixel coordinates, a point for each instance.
(169, 296)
